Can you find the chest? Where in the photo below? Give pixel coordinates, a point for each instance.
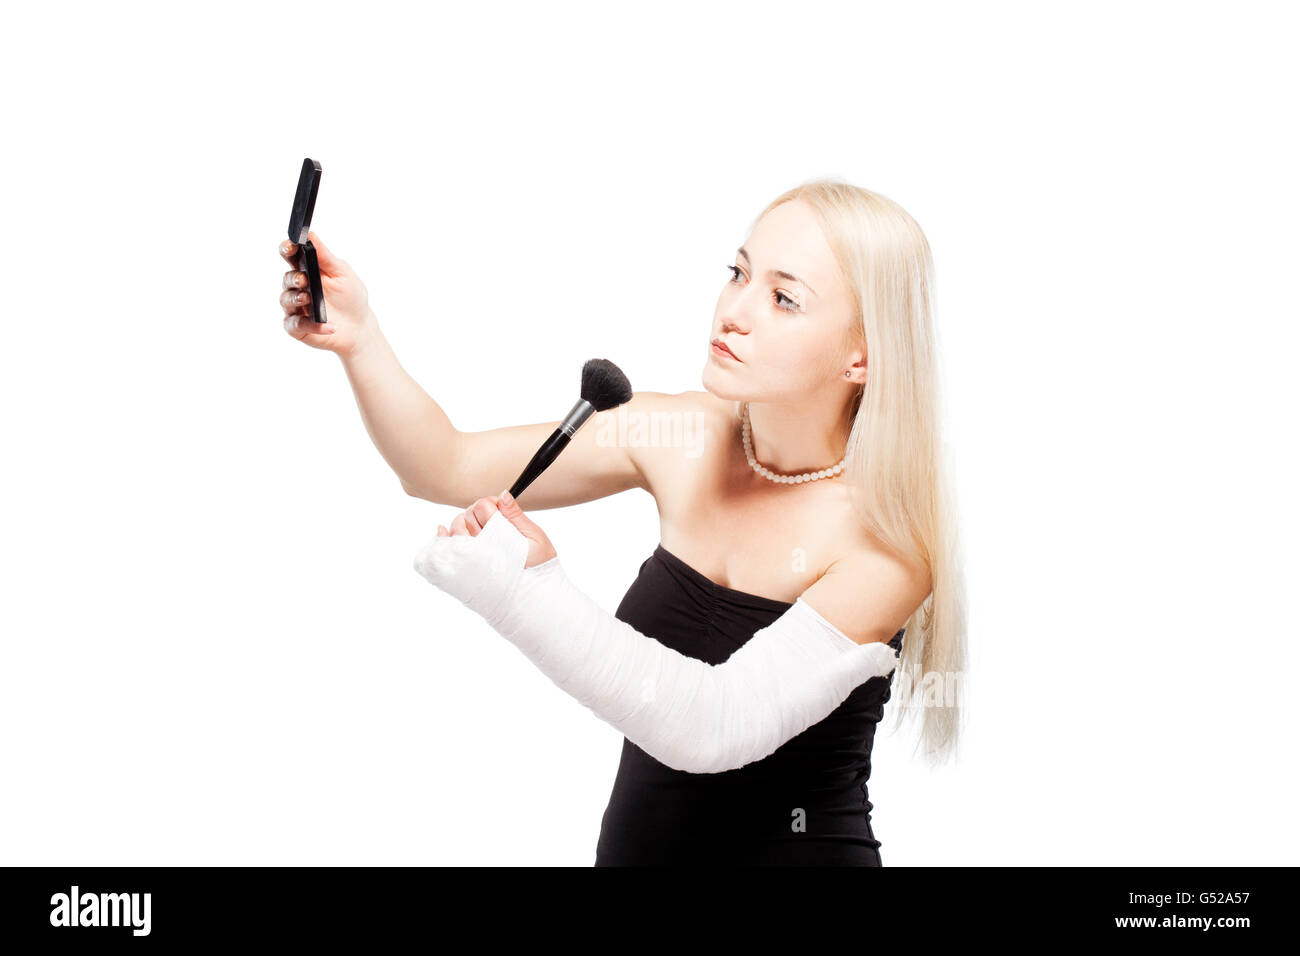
(745, 532)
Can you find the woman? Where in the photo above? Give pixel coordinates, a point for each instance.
(819, 484)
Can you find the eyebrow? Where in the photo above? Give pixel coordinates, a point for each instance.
(778, 272)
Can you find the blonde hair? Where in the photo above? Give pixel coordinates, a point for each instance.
(896, 461)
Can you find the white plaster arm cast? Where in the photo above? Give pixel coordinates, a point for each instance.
(688, 714)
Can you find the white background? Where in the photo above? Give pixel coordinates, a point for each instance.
(215, 648)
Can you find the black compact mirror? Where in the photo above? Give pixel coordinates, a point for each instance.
(304, 201)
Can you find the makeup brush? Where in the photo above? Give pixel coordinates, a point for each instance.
(603, 386)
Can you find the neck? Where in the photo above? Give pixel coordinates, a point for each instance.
(793, 437)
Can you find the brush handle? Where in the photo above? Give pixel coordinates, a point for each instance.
(569, 425)
(541, 461)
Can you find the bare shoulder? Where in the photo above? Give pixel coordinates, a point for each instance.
(663, 430)
(869, 591)
(693, 401)
(649, 419)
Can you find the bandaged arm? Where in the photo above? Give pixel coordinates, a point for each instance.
(686, 713)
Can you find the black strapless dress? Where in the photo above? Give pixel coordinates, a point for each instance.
(804, 804)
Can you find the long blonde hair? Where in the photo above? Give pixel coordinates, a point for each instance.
(896, 460)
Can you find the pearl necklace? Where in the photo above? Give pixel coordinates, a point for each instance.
(773, 476)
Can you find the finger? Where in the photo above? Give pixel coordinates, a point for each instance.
(473, 521)
(289, 251)
(508, 505)
(294, 280)
(442, 532)
(514, 514)
(304, 309)
(483, 509)
(458, 524)
(293, 300)
(303, 326)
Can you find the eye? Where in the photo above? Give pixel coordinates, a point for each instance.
(793, 306)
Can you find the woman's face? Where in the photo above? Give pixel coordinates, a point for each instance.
(787, 331)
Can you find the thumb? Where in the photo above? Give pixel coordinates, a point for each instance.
(507, 505)
(328, 261)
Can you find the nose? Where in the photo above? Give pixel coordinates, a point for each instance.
(735, 311)
(728, 326)
(733, 321)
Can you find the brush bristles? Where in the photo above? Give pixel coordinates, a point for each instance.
(604, 384)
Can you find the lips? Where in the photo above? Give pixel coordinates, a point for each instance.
(723, 345)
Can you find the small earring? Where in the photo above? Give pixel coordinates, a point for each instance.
(848, 372)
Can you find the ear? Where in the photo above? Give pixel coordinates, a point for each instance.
(858, 370)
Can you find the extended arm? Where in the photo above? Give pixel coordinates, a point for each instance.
(682, 711)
